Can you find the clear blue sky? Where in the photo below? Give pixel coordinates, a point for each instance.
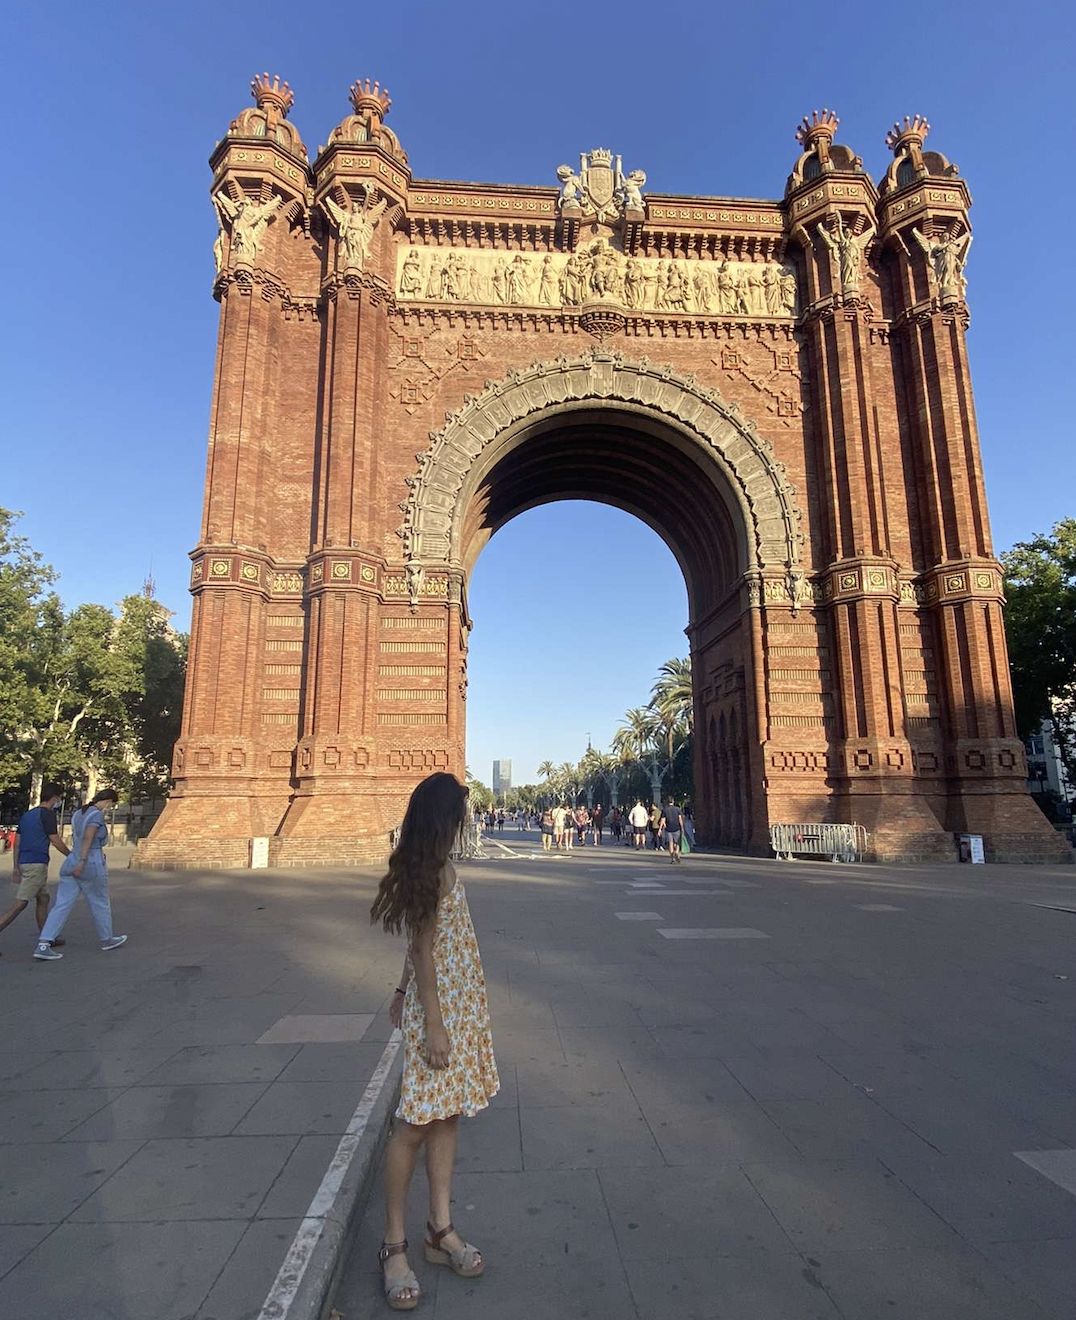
(108, 338)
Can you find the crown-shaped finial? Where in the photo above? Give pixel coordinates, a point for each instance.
(601, 156)
(365, 97)
(273, 97)
(821, 126)
(913, 132)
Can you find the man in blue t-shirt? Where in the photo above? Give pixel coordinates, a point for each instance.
(37, 830)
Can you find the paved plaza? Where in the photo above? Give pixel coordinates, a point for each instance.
(739, 1089)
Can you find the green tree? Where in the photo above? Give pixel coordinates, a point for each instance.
(548, 771)
(1040, 624)
(31, 619)
(480, 796)
(153, 661)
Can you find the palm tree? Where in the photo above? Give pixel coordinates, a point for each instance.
(610, 770)
(671, 695)
(640, 737)
(569, 780)
(547, 770)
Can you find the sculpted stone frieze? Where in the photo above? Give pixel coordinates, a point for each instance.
(598, 272)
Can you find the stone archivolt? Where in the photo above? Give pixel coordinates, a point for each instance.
(846, 613)
(432, 527)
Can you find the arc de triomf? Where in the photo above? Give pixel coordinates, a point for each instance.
(779, 388)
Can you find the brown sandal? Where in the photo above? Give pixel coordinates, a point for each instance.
(467, 1262)
(407, 1283)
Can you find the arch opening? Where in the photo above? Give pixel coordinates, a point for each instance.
(654, 468)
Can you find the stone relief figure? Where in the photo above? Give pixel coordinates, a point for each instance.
(411, 276)
(771, 286)
(249, 220)
(218, 242)
(547, 285)
(754, 293)
(415, 576)
(518, 279)
(575, 280)
(788, 292)
(634, 285)
(726, 290)
(570, 184)
(433, 279)
(947, 256)
(848, 248)
(500, 281)
(631, 191)
(703, 287)
(356, 228)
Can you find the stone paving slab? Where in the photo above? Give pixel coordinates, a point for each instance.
(155, 1161)
(819, 1125)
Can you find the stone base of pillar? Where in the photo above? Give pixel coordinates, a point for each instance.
(898, 817)
(210, 828)
(1012, 826)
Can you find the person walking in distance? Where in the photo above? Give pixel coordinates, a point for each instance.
(547, 829)
(597, 824)
(84, 871)
(440, 1005)
(37, 831)
(672, 822)
(654, 820)
(638, 818)
(560, 818)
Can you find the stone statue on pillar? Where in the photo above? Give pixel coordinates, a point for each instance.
(356, 229)
(848, 247)
(249, 220)
(947, 256)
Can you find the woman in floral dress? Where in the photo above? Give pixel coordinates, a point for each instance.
(440, 1004)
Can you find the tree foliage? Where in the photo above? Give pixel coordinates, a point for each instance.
(1040, 624)
(83, 693)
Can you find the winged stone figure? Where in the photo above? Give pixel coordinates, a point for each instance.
(848, 247)
(356, 229)
(947, 256)
(249, 220)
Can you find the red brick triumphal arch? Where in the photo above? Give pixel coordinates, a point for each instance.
(779, 388)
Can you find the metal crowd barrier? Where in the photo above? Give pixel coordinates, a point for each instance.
(841, 843)
(468, 845)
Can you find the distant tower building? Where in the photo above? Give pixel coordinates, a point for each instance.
(502, 777)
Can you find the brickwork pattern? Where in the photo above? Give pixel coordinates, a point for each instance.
(859, 674)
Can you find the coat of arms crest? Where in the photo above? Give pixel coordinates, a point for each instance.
(600, 189)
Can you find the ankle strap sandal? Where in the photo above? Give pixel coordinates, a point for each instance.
(466, 1262)
(395, 1289)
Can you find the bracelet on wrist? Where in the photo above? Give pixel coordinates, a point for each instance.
(401, 990)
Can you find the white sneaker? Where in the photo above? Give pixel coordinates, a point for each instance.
(113, 943)
(46, 953)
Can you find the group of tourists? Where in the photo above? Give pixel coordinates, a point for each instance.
(565, 827)
(84, 870)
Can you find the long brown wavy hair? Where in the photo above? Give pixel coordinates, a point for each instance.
(408, 893)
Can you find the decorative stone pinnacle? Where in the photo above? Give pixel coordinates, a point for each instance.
(363, 97)
(601, 156)
(275, 98)
(912, 133)
(820, 127)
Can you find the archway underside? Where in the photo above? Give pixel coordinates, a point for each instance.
(601, 457)
(674, 485)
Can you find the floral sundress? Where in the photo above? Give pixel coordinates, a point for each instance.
(470, 1081)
